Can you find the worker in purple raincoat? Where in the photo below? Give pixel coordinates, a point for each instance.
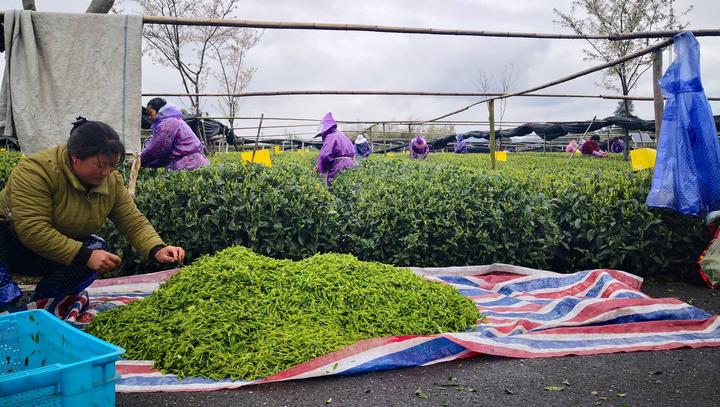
(337, 151)
(419, 148)
(617, 145)
(173, 144)
(461, 145)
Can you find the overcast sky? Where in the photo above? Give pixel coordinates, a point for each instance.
(299, 60)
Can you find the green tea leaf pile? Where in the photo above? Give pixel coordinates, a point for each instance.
(241, 315)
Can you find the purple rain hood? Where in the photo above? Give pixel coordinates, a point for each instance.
(418, 148)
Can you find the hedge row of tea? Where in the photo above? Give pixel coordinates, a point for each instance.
(536, 210)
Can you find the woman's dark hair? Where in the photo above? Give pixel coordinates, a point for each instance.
(595, 137)
(156, 103)
(89, 138)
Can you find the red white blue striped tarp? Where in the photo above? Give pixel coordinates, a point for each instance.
(530, 314)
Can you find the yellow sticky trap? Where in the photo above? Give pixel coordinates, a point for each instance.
(262, 157)
(501, 155)
(278, 150)
(642, 158)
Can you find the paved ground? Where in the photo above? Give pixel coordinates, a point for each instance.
(687, 377)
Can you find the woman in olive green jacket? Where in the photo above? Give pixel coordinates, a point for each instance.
(52, 204)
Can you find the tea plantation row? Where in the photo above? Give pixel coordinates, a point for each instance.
(536, 210)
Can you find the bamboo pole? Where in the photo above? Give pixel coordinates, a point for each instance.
(285, 25)
(134, 170)
(353, 121)
(279, 126)
(661, 34)
(626, 138)
(608, 141)
(384, 139)
(201, 129)
(491, 119)
(257, 138)
(366, 92)
(657, 94)
(576, 75)
(581, 139)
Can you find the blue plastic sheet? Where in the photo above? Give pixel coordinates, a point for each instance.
(687, 170)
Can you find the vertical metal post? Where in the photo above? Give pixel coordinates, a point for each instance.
(491, 111)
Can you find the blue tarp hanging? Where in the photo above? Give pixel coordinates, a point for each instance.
(687, 169)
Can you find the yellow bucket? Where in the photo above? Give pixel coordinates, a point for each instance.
(261, 157)
(642, 158)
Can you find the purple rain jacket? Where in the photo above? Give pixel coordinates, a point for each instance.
(173, 144)
(337, 151)
(418, 148)
(461, 146)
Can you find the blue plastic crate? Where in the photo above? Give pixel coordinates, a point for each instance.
(47, 362)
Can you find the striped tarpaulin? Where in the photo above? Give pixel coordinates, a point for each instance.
(530, 314)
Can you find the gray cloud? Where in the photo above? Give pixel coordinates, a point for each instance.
(292, 59)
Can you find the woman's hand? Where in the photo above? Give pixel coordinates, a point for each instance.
(102, 261)
(170, 254)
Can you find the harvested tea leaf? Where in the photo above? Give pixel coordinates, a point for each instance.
(240, 315)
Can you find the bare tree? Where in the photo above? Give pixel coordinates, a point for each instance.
(488, 84)
(624, 109)
(233, 74)
(187, 48)
(621, 16)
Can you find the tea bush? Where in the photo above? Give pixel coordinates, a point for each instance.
(283, 212)
(8, 161)
(538, 210)
(408, 214)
